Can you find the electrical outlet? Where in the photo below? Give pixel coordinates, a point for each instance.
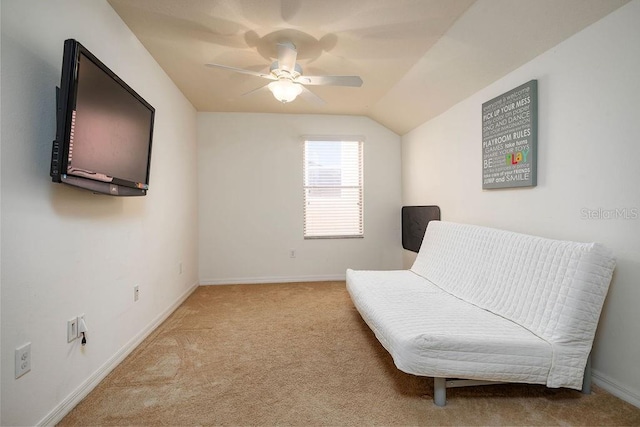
(72, 329)
(23, 360)
(180, 267)
(136, 293)
(292, 253)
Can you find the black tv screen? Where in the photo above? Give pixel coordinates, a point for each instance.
(104, 128)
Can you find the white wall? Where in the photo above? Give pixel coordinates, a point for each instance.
(66, 251)
(251, 199)
(588, 152)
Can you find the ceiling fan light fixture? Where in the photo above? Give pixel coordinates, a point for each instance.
(287, 80)
(284, 90)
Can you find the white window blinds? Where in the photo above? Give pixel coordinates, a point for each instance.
(333, 189)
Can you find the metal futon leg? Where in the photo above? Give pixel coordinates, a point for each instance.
(440, 386)
(586, 380)
(440, 391)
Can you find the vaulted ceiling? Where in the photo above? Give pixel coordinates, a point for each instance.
(417, 58)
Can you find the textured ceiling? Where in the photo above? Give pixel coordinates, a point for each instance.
(417, 58)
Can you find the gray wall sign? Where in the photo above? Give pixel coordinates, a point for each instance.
(510, 138)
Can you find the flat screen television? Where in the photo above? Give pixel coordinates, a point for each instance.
(104, 128)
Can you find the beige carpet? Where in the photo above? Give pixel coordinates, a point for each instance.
(299, 354)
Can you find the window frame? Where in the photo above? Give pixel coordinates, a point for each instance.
(360, 187)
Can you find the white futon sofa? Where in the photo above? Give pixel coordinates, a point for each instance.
(482, 305)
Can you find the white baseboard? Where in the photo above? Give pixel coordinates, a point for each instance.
(613, 387)
(64, 407)
(273, 279)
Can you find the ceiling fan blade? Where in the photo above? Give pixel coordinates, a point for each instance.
(353, 81)
(258, 89)
(240, 70)
(311, 97)
(287, 55)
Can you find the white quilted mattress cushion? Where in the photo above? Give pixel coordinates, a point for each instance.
(554, 288)
(432, 333)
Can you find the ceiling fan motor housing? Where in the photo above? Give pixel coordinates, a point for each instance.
(279, 73)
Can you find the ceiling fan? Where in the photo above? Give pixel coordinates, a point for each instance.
(287, 78)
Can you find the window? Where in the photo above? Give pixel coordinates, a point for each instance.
(333, 189)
